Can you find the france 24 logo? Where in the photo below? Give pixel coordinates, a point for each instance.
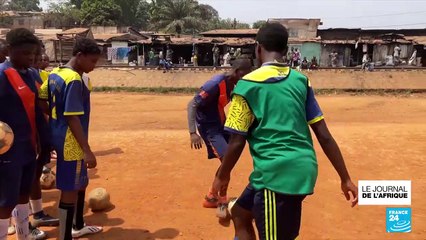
(398, 220)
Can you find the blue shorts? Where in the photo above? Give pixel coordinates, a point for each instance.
(277, 216)
(71, 175)
(17, 170)
(216, 140)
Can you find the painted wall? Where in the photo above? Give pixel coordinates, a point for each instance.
(310, 50)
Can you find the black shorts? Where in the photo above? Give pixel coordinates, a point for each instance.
(277, 216)
(216, 140)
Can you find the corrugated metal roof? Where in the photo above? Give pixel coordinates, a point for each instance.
(75, 31)
(232, 32)
(418, 39)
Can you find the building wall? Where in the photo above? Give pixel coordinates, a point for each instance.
(33, 22)
(381, 51)
(108, 29)
(344, 54)
(310, 50)
(321, 79)
(300, 28)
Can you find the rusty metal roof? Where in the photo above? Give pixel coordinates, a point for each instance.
(231, 32)
(75, 31)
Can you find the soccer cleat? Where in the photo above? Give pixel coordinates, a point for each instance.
(222, 208)
(86, 230)
(11, 229)
(37, 234)
(210, 202)
(45, 221)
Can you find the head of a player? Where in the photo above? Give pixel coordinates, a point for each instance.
(240, 68)
(44, 61)
(22, 47)
(271, 41)
(3, 50)
(86, 54)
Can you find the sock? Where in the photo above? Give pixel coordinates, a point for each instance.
(66, 213)
(36, 207)
(4, 224)
(20, 214)
(78, 214)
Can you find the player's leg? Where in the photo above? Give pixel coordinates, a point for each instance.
(219, 143)
(10, 175)
(40, 218)
(242, 216)
(79, 226)
(210, 199)
(277, 216)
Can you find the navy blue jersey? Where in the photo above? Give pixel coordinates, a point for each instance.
(214, 95)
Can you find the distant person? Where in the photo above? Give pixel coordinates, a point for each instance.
(290, 57)
(227, 59)
(334, 58)
(296, 58)
(365, 60)
(314, 63)
(413, 59)
(305, 63)
(216, 56)
(237, 53)
(169, 54)
(396, 55)
(151, 56)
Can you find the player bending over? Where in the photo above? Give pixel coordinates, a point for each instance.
(272, 109)
(206, 113)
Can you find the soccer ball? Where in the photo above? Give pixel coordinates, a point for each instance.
(99, 199)
(47, 180)
(6, 137)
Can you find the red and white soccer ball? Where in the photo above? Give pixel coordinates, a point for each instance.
(6, 137)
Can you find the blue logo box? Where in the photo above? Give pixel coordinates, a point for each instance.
(398, 220)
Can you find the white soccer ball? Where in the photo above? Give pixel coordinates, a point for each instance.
(47, 180)
(99, 199)
(6, 137)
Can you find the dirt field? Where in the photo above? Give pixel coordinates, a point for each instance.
(157, 182)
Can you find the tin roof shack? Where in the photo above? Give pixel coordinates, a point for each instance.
(29, 20)
(420, 46)
(66, 40)
(127, 39)
(231, 33)
(50, 41)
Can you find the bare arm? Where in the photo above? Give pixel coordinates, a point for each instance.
(331, 149)
(235, 148)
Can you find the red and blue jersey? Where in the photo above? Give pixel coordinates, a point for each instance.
(13, 110)
(214, 95)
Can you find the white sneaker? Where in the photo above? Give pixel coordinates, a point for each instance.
(11, 229)
(37, 234)
(86, 230)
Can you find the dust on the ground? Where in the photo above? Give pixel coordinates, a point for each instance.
(157, 182)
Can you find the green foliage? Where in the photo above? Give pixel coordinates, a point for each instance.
(259, 24)
(24, 5)
(100, 12)
(63, 14)
(135, 13)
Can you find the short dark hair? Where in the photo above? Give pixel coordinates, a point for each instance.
(273, 37)
(20, 36)
(86, 46)
(242, 63)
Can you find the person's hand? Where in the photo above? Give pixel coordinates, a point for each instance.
(90, 159)
(220, 185)
(196, 142)
(350, 191)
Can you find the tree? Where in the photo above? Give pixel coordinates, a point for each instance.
(229, 24)
(63, 15)
(172, 15)
(208, 12)
(135, 13)
(24, 5)
(77, 3)
(258, 24)
(100, 12)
